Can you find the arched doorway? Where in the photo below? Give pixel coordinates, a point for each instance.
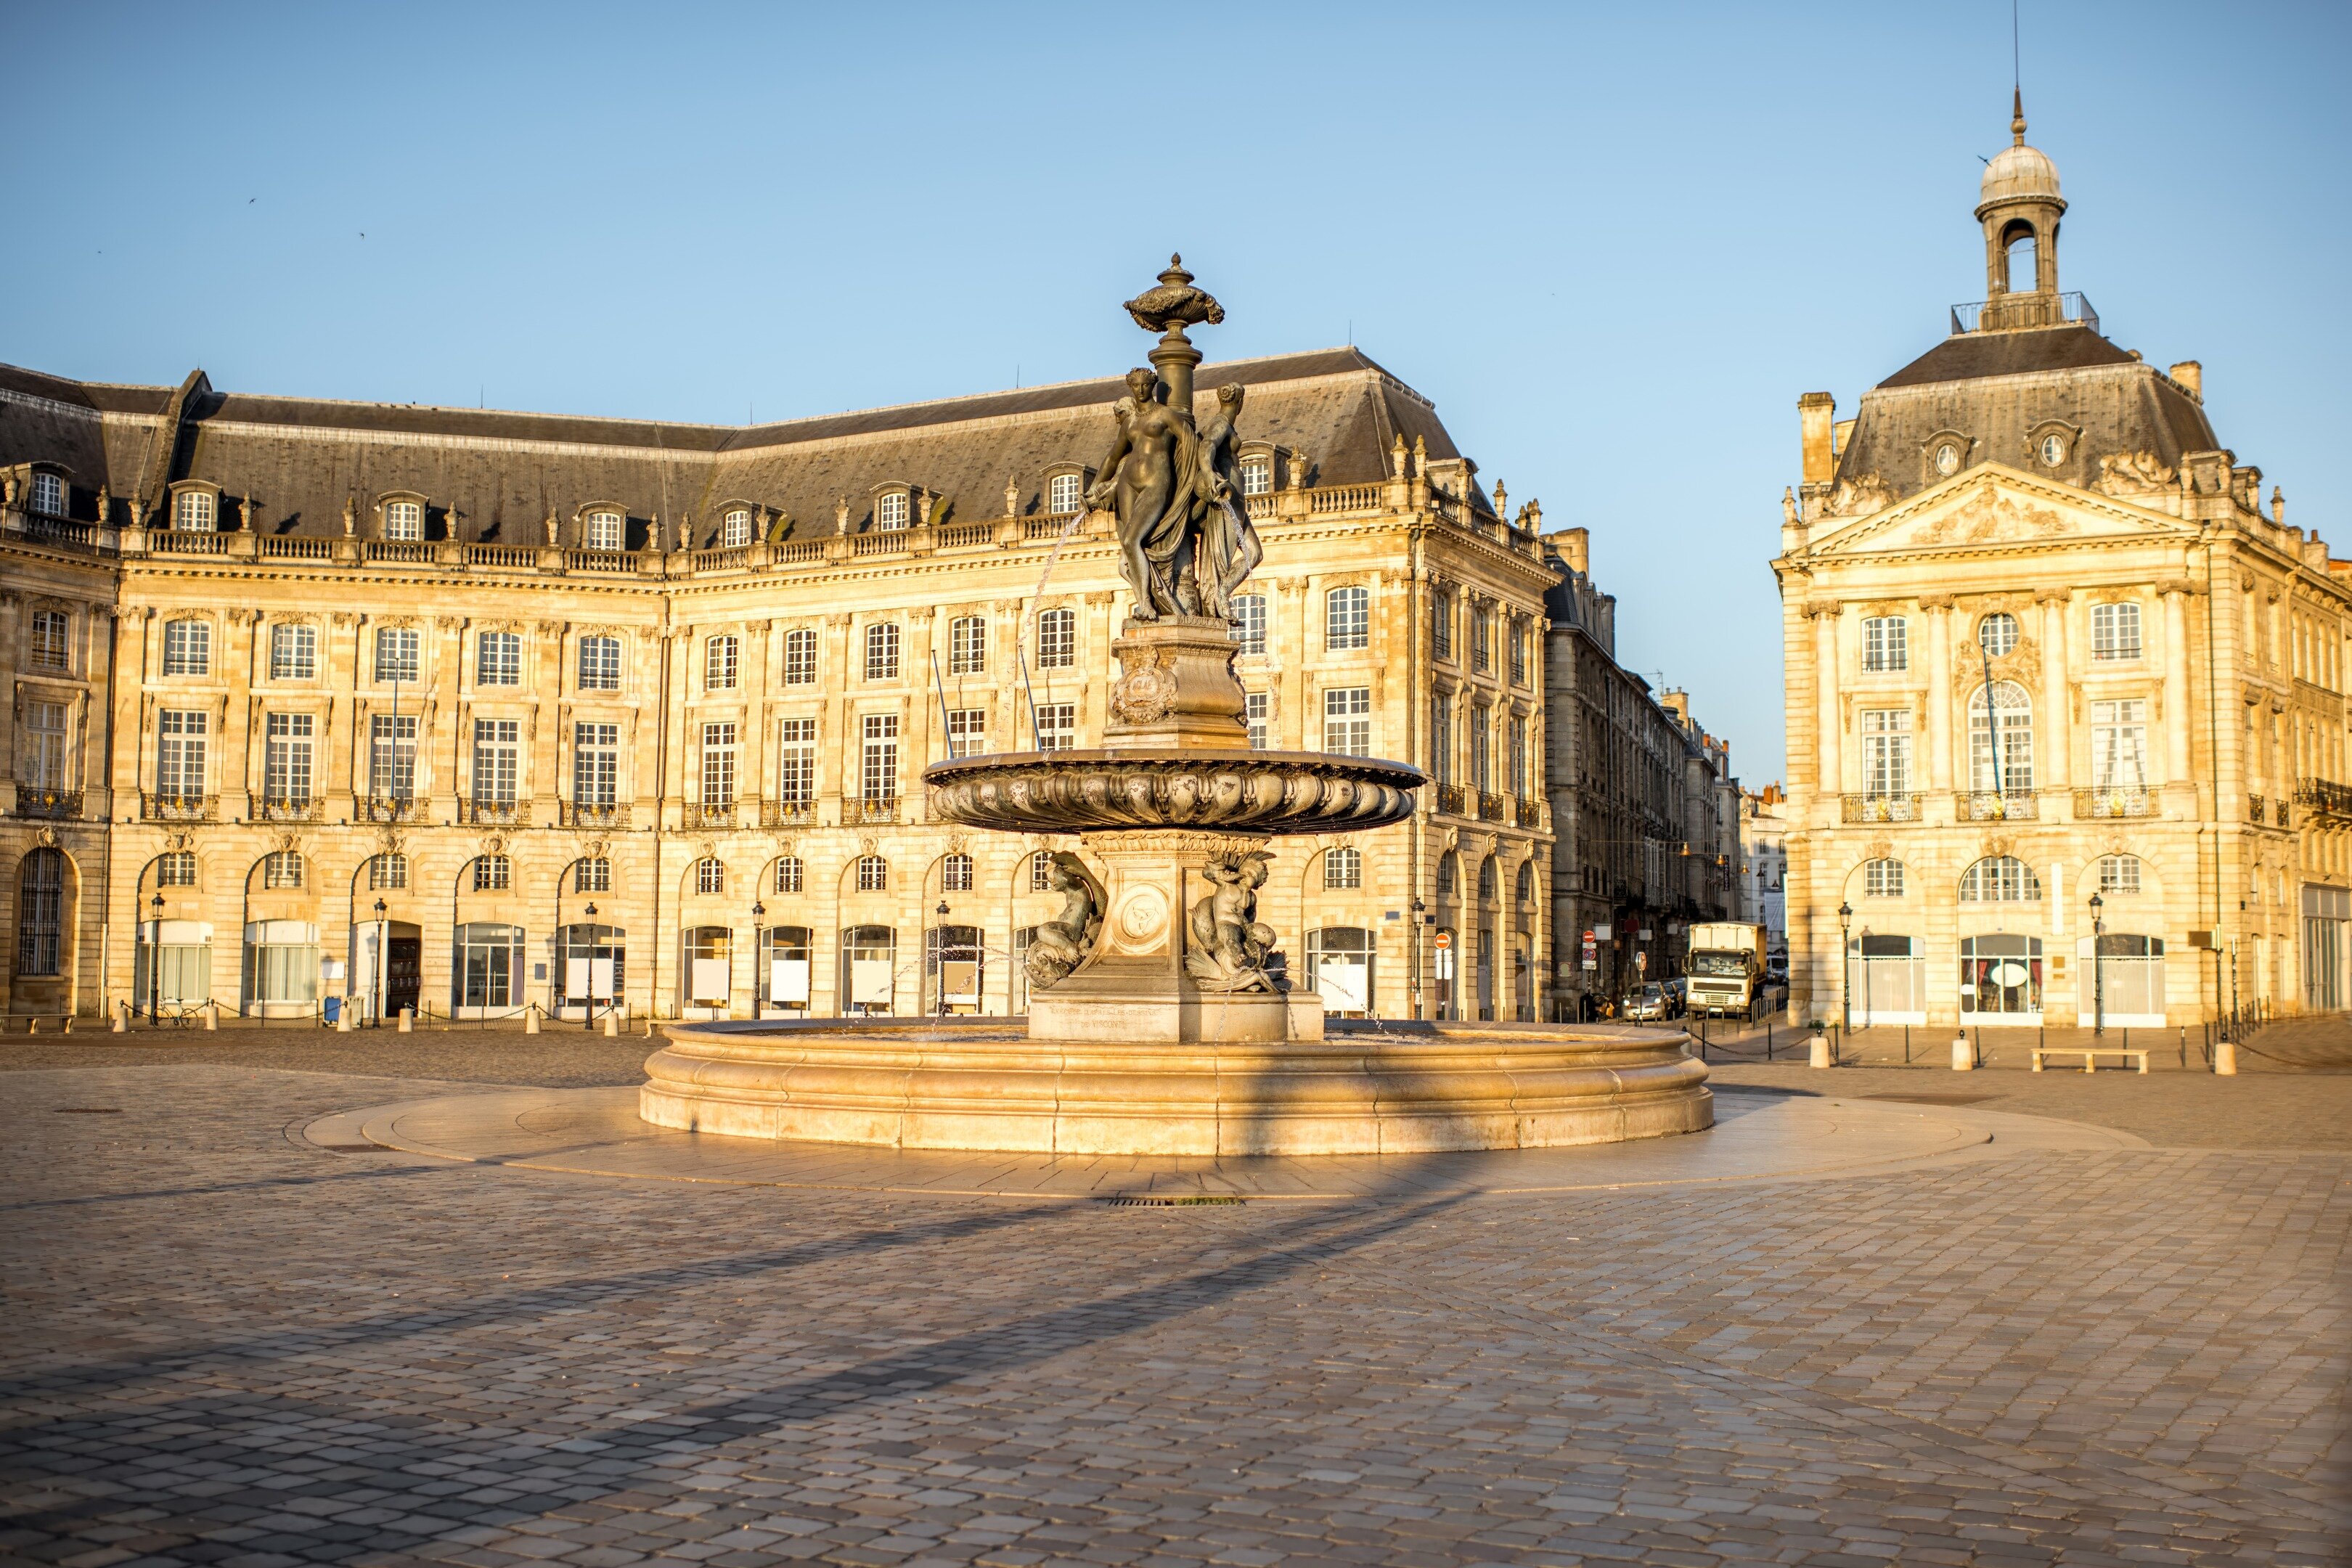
(1339, 960)
(595, 969)
(869, 959)
(2000, 981)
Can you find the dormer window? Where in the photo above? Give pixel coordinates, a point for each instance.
(2053, 449)
(404, 519)
(1257, 476)
(1066, 493)
(48, 498)
(890, 511)
(193, 512)
(603, 530)
(1947, 457)
(735, 530)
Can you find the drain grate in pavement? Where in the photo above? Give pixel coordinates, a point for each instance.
(1936, 1099)
(1136, 1200)
(87, 1110)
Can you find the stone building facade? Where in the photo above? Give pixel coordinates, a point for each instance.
(2052, 664)
(1644, 805)
(484, 711)
(1764, 866)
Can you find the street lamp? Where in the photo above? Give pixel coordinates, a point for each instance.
(758, 937)
(1845, 971)
(2099, 968)
(155, 963)
(588, 992)
(383, 955)
(939, 980)
(1417, 918)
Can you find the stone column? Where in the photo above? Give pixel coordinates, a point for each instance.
(1831, 780)
(1939, 691)
(2054, 767)
(2176, 682)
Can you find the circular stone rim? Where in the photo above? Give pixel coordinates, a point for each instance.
(1381, 773)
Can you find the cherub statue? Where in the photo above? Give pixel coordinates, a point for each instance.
(1062, 943)
(1231, 951)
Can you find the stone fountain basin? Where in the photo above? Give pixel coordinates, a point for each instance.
(1368, 1088)
(1219, 791)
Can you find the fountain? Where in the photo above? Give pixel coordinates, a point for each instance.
(1162, 1018)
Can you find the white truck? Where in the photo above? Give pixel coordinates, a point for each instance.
(1726, 968)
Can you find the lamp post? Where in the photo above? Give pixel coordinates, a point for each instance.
(759, 936)
(588, 992)
(2099, 968)
(155, 962)
(1418, 917)
(1845, 971)
(382, 956)
(939, 980)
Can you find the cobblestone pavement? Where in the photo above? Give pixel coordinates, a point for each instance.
(556, 1057)
(226, 1348)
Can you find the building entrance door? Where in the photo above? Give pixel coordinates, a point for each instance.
(2000, 981)
(403, 970)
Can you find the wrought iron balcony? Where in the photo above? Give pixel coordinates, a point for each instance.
(859, 809)
(2030, 307)
(1528, 813)
(389, 808)
(2116, 800)
(595, 814)
(1449, 798)
(1490, 807)
(2324, 798)
(39, 800)
(710, 814)
(787, 812)
(1878, 808)
(1985, 805)
(2254, 812)
(499, 813)
(289, 808)
(154, 807)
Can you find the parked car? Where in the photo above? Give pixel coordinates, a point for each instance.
(1646, 1004)
(1677, 995)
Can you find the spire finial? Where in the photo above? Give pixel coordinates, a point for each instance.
(2017, 116)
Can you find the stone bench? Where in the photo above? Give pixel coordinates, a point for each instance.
(2090, 1054)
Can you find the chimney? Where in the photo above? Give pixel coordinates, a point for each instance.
(1815, 411)
(1576, 549)
(1840, 434)
(2191, 375)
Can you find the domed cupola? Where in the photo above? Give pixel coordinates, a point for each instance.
(2019, 206)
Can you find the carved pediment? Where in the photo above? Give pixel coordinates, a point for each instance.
(1993, 508)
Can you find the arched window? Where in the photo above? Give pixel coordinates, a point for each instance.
(1347, 618)
(404, 519)
(873, 873)
(2005, 766)
(955, 874)
(882, 651)
(1999, 879)
(790, 874)
(2024, 274)
(2119, 874)
(1449, 875)
(1257, 476)
(493, 873)
(1343, 867)
(48, 497)
(603, 530)
(40, 914)
(1526, 888)
(711, 875)
(1068, 495)
(1882, 879)
(282, 868)
(192, 512)
(1058, 639)
(890, 511)
(1249, 622)
(735, 530)
(1486, 879)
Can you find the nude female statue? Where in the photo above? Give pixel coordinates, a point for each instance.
(1148, 481)
(1229, 550)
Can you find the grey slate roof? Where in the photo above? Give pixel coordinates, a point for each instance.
(501, 473)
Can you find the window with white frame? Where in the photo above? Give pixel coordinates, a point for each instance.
(967, 732)
(1057, 726)
(1999, 879)
(48, 496)
(968, 646)
(2007, 713)
(1343, 867)
(2119, 874)
(1885, 642)
(796, 762)
(493, 873)
(890, 511)
(2114, 632)
(1058, 639)
(718, 764)
(603, 529)
(282, 868)
(498, 750)
(1882, 879)
(595, 763)
(882, 651)
(791, 875)
(1347, 618)
(392, 756)
(594, 875)
(1255, 710)
(179, 752)
(1441, 737)
(497, 658)
(873, 873)
(398, 654)
(720, 655)
(1482, 750)
(800, 657)
(2119, 744)
(955, 874)
(1258, 475)
(711, 875)
(1041, 871)
(286, 758)
(1249, 622)
(1997, 633)
(387, 871)
(1886, 751)
(600, 664)
(176, 868)
(1347, 721)
(1441, 624)
(877, 777)
(188, 647)
(735, 530)
(192, 512)
(51, 638)
(43, 765)
(1067, 494)
(404, 519)
(293, 652)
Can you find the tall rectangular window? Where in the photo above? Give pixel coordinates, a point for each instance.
(1885, 642)
(397, 653)
(1482, 751)
(1249, 622)
(404, 519)
(595, 763)
(1482, 640)
(600, 664)
(49, 634)
(497, 660)
(1347, 618)
(878, 766)
(2115, 631)
(286, 758)
(890, 512)
(718, 765)
(1518, 639)
(191, 512)
(1886, 751)
(180, 752)
(1441, 625)
(1441, 737)
(497, 754)
(967, 732)
(1068, 495)
(796, 762)
(1347, 721)
(293, 652)
(44, 734)
(1254, 706)
(968, 646)
(718, 663)
(800, 658)
(1518, 755)
(882, 651)
(1057, 726)
(735, 530)
(188, 647)
(392, 756)
(2119, 744)
(1058, 639)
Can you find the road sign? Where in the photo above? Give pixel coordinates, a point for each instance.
(1641, 963)
(1445, 940)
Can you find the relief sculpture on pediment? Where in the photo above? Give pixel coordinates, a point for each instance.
(1991, 519)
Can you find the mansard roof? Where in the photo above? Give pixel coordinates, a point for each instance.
(503, 472)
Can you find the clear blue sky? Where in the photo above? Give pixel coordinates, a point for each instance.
(1613, 244)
